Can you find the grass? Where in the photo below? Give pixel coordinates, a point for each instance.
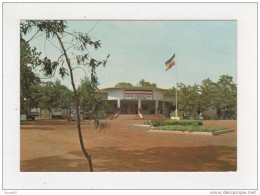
(190, 128)
(146, 122)
(183, 122)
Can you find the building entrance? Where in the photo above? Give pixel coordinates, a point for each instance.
(128, 107)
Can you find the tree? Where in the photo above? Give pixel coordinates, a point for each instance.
(90, 100)
(67, 99)
(171, 91)
(208, 91)
(55, 95)
(226, 97)
(47, 100)
(123, 84)
(29, 58)
(188, 98)
(144, 83)
(79, 58)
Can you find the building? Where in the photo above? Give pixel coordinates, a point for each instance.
(127, 100)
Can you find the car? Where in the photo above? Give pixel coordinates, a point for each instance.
(73, 115)
(56, 113)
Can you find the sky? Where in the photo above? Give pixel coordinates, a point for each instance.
(138, 50)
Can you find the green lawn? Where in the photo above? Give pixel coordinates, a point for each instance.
(183, 122)
(190, 128)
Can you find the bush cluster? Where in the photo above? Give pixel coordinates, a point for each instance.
(157, 122)
(183, 122)
(147, 123)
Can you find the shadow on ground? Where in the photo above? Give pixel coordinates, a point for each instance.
(159, 159)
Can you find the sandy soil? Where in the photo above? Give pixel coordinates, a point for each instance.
(53, 145)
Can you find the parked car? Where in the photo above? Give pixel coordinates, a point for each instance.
(32, 115)
(56, 113)
(74, 115)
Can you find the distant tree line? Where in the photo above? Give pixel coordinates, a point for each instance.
(141, 83)
(215, 100)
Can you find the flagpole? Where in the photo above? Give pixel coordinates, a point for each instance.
(176, 113)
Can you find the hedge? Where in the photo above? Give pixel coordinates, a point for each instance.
(190, 128)
(157, 122)
(183, 122)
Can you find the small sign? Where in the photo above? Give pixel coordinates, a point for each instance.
(134, 95)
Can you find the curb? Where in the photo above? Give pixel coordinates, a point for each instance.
(223, 131)
(193, 133)
(139, 125)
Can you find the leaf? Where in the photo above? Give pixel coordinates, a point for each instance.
(63, 72)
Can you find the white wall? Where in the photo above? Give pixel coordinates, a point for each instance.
(158, 95)
(169, 98)
(114, 94)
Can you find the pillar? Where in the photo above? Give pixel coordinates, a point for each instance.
(139, 103)
(118, 103)
(163, 106)
(156, 106)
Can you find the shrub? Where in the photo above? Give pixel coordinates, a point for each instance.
(190, 128)
(147, 123)
(157, 122)
(184, 122)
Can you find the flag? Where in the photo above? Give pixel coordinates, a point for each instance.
(170, 63)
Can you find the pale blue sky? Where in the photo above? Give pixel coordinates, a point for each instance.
(139, 49)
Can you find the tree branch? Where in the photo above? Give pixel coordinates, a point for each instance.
(33, 36)
(52, 44)
(80, 68)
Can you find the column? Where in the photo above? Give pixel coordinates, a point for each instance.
(118, 103)
(139, 103)
(156, 106)
(163, 107)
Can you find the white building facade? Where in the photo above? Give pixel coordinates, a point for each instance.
(129, 99)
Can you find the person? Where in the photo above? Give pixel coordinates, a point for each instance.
(184, 115)
(200, 116)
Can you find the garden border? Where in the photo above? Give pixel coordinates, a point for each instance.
(140, 125)
(193, 133)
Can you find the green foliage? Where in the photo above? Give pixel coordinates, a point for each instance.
(171, 91)
(190, 128)
(29, 81)
(220, 96)
(143, 83)
(55, 95)
(75, 55)
(157, 122)
(184, 122)
(147, 123)
(123, 84)
(208, 89)
(188, 98)
(86, 91)
(79, 43)
(90, 100)
(101, 125)
(225, 100)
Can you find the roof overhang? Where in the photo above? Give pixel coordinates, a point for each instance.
(133, 88)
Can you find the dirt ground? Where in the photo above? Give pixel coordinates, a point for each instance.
(53, 146)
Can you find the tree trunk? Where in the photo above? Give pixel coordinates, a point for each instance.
(76, 102)
(68, 115)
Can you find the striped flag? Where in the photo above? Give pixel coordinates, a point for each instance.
(170, 63)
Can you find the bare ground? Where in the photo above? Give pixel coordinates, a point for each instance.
(53, 145)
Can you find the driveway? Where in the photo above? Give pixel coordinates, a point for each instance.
(53, 145)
